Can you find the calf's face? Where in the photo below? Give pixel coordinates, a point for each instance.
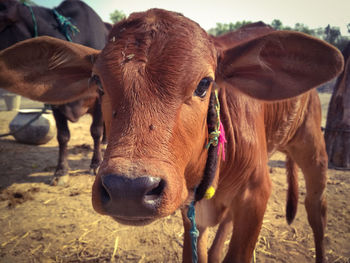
(157, 78)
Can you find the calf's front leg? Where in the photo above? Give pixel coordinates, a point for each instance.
(216, 249)
(248, 212)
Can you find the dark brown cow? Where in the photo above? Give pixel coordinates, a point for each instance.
(157, 72)
(19, 22)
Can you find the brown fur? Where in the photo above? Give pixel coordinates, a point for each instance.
(156, 125)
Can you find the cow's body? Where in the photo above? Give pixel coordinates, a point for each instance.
(17, 23)
(157, 72)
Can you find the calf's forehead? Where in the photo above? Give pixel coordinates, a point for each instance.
(159, 47)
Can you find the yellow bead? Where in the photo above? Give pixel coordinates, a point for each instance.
(210, 192)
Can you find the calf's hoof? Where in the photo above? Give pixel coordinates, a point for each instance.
(60, 180)
(61, 170)
(93, 171)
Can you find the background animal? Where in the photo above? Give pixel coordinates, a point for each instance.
(338, 118)
(157, 72)
(72, 20)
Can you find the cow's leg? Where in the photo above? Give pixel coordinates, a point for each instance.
(311, 157)
(248, 213)
(216, 249)
(96, 130)
(104, 137)
(63, 136)
(202, 252)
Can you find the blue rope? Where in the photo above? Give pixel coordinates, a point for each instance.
(33, 18)
(65, 25)
(194, 233)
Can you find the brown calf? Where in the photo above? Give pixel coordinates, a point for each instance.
(157, 72)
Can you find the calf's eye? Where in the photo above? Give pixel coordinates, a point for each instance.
(203, 87)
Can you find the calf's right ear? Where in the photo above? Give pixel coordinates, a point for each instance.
(279, 65)
(48, 70)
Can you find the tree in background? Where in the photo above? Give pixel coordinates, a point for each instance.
(300, 27)
(117, 15)
(331, 34)
(223, 28)
(277, 24)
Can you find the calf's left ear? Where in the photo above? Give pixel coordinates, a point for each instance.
(279, 65)
(48, 70)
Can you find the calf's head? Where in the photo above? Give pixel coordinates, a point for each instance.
(157, 73)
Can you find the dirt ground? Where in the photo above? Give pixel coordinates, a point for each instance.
(41, 223)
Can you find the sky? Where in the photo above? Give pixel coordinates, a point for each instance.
(313, 13)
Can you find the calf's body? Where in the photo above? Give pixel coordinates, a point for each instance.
(159, 71)
(290, 126)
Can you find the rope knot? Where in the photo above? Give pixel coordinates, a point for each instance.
(213, 138)
(217, 136)
(65, 25)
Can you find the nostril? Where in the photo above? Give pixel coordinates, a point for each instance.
(158, 187)
(105, 197)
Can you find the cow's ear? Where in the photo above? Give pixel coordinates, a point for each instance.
(47, 69)
(279, 65)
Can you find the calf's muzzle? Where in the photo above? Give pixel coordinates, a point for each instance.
(131, 200)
